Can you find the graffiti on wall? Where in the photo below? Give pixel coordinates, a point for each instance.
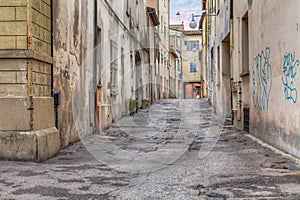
(262, 80)
(289, 75)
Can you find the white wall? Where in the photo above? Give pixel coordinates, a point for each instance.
(273, 81)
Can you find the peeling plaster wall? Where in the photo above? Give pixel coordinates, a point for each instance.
(74, 63)
(73, 30)
(130, 39)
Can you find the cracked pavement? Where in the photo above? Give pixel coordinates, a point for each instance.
(176, 149)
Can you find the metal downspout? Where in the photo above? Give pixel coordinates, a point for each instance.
(94, 88)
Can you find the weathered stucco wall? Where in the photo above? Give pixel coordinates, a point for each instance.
(271, 88)
(222, 57)
(129, 39)
(72, 28)
(93, 96)
(240, 88)
(163, 10)
(274, 65)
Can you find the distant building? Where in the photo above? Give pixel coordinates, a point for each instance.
(164, 63)
(154, 40)
(191, 65)
(176, 84)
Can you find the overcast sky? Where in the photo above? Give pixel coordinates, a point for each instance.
(185, 8)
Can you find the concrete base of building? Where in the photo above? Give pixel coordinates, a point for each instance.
(34, 146)
(278, 137)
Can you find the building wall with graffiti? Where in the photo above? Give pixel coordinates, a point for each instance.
(265, 71)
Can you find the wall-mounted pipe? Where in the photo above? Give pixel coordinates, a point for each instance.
(94, 100)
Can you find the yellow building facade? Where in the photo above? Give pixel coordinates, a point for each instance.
(27, 121)
(191, 65)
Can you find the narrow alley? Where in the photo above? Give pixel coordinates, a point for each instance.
(175, 149)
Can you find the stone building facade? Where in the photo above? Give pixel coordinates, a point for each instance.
(27, 121)
(252, 49)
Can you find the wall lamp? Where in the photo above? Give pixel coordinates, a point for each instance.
(193, 23)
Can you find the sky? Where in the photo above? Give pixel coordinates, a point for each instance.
(186, 8)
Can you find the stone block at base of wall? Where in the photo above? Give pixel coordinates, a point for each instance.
(34, 146)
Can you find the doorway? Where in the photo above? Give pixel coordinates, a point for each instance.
(138, 80)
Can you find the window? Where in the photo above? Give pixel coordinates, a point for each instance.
(137, 14)
(123, 72)
(245, 45)
(193, 68)
(98, 50)
(192, 45)
(113, 66)
(218, 5)
(162, 26)
(178, 47)
(165, 31)
(127, 8)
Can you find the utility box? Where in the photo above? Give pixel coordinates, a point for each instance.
(56, 96)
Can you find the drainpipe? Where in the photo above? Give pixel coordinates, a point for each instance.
(55, 94)
(95, 40)
(149, 58)
(94, 88)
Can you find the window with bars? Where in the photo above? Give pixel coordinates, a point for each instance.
(113, 66)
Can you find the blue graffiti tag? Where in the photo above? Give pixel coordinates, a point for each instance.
(289, 64)
(262, 80)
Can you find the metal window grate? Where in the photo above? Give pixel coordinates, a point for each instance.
(246, 119)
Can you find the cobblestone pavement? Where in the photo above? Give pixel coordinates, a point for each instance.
(173, 150)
